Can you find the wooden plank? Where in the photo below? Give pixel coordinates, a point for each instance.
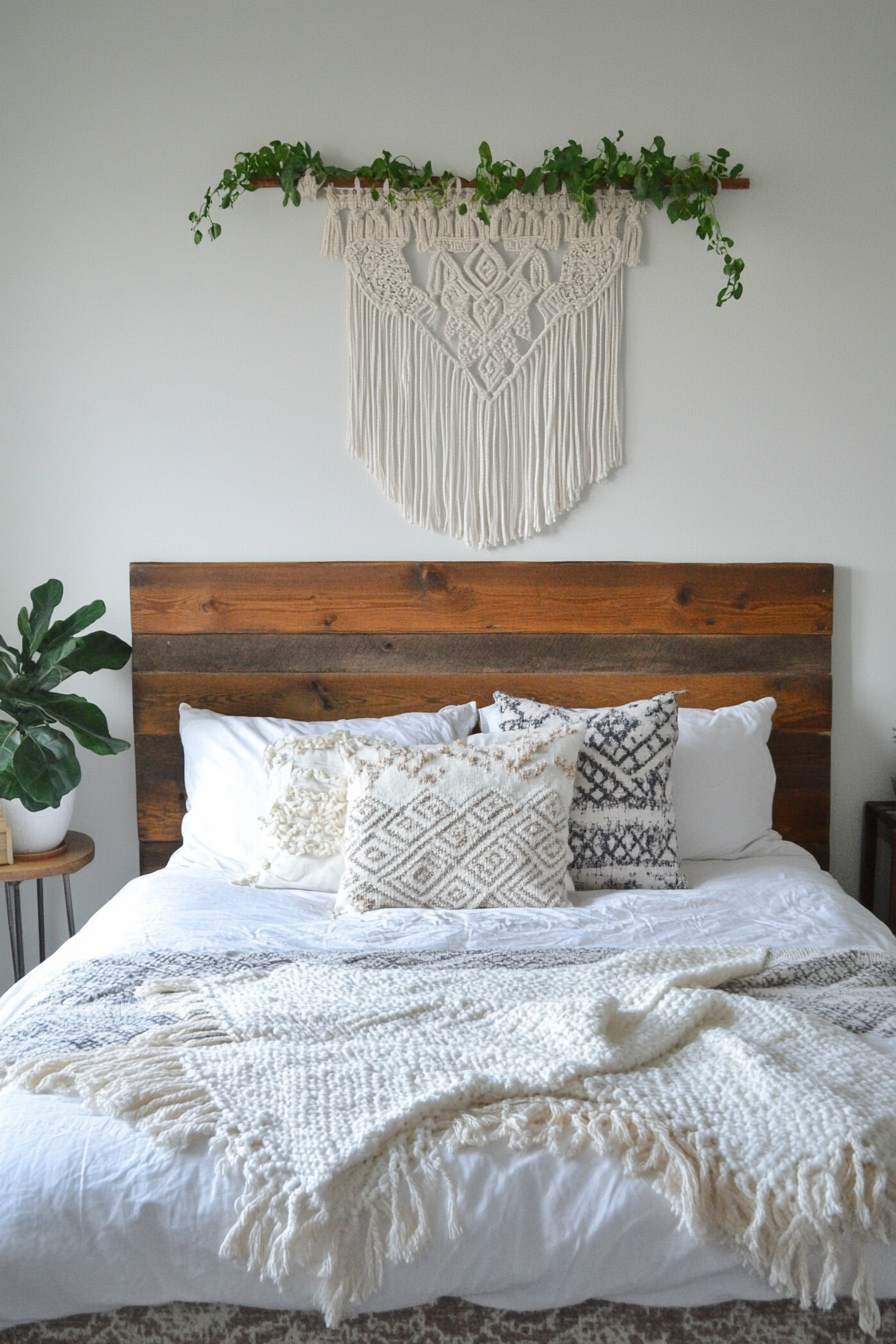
(802, 808)
(726, 184)
(155, 854)
(161, 794)
(597, 598)
(804, 703)
(807, 655)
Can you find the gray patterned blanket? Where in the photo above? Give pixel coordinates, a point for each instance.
(93, 1002)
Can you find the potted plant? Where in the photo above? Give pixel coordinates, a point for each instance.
(39, 769)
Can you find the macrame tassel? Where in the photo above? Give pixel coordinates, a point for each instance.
(631, 234)
(487, 470)
(309, 186)
(333, 244)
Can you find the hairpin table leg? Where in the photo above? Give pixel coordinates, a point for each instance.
(41, 931)
(69, 911)
(10, 915)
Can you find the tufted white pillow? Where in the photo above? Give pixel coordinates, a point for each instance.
(465, 825)
(227, 788)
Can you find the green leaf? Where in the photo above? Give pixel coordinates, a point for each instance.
(11, 788)
(214, 231)
(485, 154)
(197, 236)
(45, 600)
(87, 721)
(79, 620)
(46, 767)
(8, 739)
(95, 651)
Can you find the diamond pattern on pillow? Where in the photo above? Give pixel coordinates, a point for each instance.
(622, 822)
(461, 826)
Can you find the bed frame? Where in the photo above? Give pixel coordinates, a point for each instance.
(323, 641)
(351, 639)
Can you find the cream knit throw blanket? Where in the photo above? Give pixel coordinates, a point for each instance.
(332, 1090)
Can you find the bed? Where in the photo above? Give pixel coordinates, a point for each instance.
(106, 1234)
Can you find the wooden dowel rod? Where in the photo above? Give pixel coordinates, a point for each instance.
(727, 183)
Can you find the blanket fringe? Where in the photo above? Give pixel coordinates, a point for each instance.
(381, 1208)
(774, 1232)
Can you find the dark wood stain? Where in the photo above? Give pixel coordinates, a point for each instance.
(804, 703)
(805, 655)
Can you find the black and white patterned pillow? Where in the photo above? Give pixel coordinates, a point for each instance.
(622, 822)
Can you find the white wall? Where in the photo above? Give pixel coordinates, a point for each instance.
(160, 401)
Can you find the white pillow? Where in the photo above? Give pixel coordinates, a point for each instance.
(225, 777)
(723, 779)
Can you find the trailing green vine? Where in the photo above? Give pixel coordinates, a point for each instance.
(686, 193)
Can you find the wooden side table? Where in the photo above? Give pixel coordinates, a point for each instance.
(78, 852)
(878, 835)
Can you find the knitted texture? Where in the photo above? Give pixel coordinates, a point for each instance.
(463, 825)
(622, 821)
(331, 1087)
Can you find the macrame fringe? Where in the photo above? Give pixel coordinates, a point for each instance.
(487, 470)
(493, 461)
(354, 216)
(381, 1209)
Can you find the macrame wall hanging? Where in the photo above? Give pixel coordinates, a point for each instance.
(484, 342)
(484, 392)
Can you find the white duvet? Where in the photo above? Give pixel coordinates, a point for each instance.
(94, 1216)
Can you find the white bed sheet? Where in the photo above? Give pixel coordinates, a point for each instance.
(95, 1216)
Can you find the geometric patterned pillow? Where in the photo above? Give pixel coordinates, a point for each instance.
(622, 822)
(459, 825)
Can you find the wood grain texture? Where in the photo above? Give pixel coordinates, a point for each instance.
(155, 854)
(802, 810)
(726, 184)
(309, 641)
(804, 703)
(806, 655)
(579, 597)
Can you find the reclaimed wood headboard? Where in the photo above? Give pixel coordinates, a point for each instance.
(342, 640)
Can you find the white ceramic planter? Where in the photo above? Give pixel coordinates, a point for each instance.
(36, 832)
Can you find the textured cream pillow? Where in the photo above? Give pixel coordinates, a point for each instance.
(303, 826)
(460, 825)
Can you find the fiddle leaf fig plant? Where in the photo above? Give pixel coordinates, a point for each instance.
(38, 764)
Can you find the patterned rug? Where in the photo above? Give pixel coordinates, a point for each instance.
(450, 1321)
